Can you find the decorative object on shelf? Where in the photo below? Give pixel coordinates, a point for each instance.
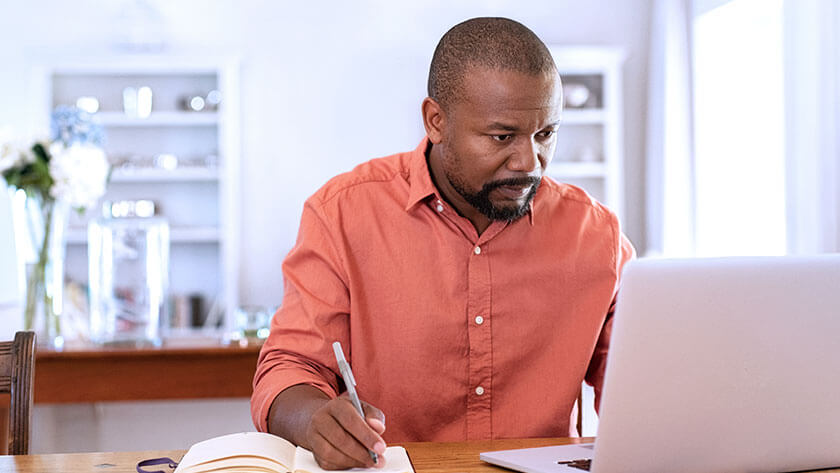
(130, 101)
(575, 95)
(128, 271)
(137, 102)
(193, 103)
(251, 325)
(144, 102)
(88, 104)
(47, 178)
(213, 99)
(166, 161)
(199, 103)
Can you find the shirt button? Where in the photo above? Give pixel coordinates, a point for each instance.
(439, 207)
(477, 250)
(479, 320)
(479, 390)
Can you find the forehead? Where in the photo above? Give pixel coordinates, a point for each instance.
(488, 93)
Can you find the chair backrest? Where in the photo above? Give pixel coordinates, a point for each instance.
(17, 371)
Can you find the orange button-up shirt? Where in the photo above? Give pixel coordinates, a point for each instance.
(454, 335)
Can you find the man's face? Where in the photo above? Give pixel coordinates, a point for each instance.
(498, 139)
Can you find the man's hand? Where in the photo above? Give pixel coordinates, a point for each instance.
(331, 428)
(340, 438)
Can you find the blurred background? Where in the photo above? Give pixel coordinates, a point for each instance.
(710, 126)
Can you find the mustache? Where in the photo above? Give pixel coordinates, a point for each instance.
(512, 181)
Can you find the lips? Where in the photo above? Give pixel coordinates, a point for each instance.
(514, 192)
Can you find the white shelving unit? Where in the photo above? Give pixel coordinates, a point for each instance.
(589, 150)
(199, 197)
(119, 119)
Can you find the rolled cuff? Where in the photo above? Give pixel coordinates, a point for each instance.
(271, 382)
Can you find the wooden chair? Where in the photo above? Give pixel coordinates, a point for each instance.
(17, 368)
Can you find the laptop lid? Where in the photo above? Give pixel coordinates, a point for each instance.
(728, 364)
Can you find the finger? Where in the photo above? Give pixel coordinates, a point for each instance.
(346, 441)
(327, 435)
(376, 425)
(329, 457)
(348, 417)
(371, 412)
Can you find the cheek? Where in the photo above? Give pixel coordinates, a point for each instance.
(547, 153)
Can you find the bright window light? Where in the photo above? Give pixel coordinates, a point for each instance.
(739, 129)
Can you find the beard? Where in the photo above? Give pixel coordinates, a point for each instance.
(481, 200)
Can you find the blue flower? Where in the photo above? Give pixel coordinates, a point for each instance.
(71, 125)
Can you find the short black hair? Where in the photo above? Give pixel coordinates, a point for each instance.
(494, 43)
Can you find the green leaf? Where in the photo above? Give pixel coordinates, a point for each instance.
(40, 153)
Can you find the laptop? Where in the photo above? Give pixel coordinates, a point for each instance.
(716, 365)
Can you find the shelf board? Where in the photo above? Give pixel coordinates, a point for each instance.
(592, 116)
(185, 174)
(119, 119)
(78, 236)
(572, 169)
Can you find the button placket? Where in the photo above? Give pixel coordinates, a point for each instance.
(479, 400)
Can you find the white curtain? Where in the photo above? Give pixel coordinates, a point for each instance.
(812, 109)
(670, 155)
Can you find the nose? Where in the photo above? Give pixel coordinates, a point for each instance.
(525, 157)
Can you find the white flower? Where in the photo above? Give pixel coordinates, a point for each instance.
(12, 152)
(79, 172)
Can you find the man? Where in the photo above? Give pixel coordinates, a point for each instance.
(471, 294)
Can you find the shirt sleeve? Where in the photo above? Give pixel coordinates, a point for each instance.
(597, 364)
(314, 314)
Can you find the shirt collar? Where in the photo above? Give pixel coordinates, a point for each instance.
(420, 180)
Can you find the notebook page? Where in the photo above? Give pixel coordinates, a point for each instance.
(240, 464)
(255, 444)
(396, 461)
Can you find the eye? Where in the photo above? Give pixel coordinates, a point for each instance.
(501, 138)
(547, 133)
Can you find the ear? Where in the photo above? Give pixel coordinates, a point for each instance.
(434, 119)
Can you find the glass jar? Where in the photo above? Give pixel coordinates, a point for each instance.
(128, 264)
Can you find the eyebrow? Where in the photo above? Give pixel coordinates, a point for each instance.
(501, 126)
(505, 127)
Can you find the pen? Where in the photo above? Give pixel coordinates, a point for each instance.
(350, 382)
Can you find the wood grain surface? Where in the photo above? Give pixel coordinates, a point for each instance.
(99, 374)
(427, 457)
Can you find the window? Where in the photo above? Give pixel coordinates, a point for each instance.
(739, 128)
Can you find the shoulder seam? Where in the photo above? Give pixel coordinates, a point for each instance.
(591, 203)
(324, 199)
(335, 193)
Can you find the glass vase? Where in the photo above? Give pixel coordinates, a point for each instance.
(40, 226)
(128, 269)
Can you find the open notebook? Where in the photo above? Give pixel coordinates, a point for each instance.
(256, 452)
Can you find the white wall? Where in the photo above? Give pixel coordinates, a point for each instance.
(325, 85)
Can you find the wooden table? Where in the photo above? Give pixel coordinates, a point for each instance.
(428, 457)
(109, 374)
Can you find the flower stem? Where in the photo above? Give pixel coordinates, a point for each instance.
(37, 276)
